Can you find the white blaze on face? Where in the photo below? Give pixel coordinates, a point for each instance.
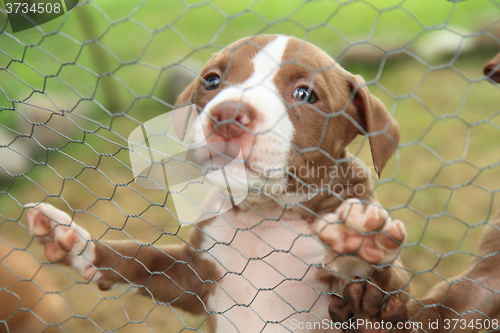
(269, 150)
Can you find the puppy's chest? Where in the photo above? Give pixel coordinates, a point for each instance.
(270, 271)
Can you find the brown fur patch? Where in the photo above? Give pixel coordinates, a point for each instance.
(332, 123)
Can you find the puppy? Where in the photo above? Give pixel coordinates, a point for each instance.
(271, 263)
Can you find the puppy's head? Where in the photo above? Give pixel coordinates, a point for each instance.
(288, 106)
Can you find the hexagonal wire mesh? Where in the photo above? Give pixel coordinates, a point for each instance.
(73, 89)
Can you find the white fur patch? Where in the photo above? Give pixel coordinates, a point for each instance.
(266, 63)
(83, 253)
(270, 274)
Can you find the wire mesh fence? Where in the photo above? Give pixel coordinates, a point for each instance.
(73, 90)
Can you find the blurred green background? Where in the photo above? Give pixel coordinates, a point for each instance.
(73, 89)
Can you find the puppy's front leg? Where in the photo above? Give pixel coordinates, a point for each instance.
(172, 274)
(358, 237)
(469, 302)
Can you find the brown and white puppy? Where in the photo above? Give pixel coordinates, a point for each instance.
(260, 267)
(492, 69)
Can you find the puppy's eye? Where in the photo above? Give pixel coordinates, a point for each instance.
(303, 94)
(212, 82)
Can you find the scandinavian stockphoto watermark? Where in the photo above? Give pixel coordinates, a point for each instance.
(337, 178)
(170, 152)
(26, 14)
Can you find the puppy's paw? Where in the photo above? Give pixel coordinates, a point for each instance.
(64, 241)
(369, 303)
(367, 232)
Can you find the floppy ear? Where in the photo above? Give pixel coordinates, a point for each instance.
(493, 65)
(181, 116)
(381, 128)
